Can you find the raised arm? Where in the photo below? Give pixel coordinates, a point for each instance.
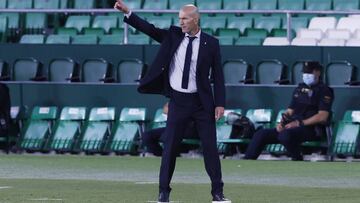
(140, 24)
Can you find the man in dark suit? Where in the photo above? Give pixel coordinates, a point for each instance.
(181, 72)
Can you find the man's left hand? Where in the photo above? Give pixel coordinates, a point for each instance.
(219, 112)
(292, 124)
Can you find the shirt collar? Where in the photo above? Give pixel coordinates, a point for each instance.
(197, 34)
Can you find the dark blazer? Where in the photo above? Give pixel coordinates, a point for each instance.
(156, 80)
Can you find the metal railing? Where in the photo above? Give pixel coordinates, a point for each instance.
(288, 14)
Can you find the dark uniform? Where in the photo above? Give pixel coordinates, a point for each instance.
(306, 102)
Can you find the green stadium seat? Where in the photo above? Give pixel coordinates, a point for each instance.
(345, 5)
(130, 71)
(279, 32)
(13, 26)
(268, 23)
(68, 129)
(263, 4)
(260, 33)
(3, 28)
(78, 22)
(117, 31)
(27, 69)
(114, 39)
(84, 4)
(237, 72)
(177, 4)
(63, 70)
(249, 41)
(19, 4)
(291, 4)
(32, 39)
(35, 23)
(213, 23)
(318, 5)
(97, 71)
(58, 39)
(155, 4)
(232, 32)
(139, 39)
(345, 139)
(127, 130)
(134, 4)
(339, 73)
(84, 39)
(38, 128)
(105, 22)
(64, 4)
(46, 4)
(226, 40)
(236, 4)
(208, 4)
(97, 129)
(297, 23)
(94, 31)
(67, 31)
(271, 72)
(240, 23)
(4, 71)
(160, 21)
(3, 4)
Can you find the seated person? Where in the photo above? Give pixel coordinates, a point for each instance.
(152, 137)
(309, 109)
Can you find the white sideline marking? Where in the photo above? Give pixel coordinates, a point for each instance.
(5, 187)
(46, 199)
(144, 183)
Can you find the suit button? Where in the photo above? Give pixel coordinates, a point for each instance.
(162, 69)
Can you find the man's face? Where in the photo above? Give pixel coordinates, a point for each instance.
(188, 22)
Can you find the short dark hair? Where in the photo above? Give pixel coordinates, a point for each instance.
(310, 66)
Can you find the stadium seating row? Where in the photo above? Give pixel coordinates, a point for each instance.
(236, 72)
(202, 4)
(275, 72)
(100, 132)
(67, 70)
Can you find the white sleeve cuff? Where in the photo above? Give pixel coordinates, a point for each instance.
(128, 14)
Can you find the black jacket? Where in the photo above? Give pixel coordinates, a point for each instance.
(156, 81)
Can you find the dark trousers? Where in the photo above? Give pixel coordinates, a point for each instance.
(290, 138)
(183, 108)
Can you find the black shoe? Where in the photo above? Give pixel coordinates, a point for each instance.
(163, 197)
(219, 198)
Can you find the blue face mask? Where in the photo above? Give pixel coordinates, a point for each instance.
(309, 79)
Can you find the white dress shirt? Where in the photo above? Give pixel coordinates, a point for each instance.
(177, 65)
(178, 61)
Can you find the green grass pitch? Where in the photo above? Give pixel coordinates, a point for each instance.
(67, 178)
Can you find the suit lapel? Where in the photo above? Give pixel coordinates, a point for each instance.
(176, 44)
(202, 49)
